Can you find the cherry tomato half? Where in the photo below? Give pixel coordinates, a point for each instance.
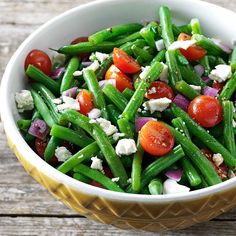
(124, 62)
(40, 60)
(159, 89)
(156, 138)
(83, 55)
(107, 173)
(85, 99)
(122, 80)
(205, 110)
(194, 52)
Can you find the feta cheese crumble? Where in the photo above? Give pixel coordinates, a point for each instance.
(181, 44)
(94, 113)
(97, 164)
(152, 90)
(68, 103)
(24, 101)
(233, 123)
(126, 147)
(160, 45)
(129, 181)
(107, 127)
(217, 159)
(164, 74)
(94, 66)
(195, 87)
(115, 179)
(170, 186)
(101, 57)
(57, 101)
(144, 72)
(62, 154)
(220, 73)
(117, 135)
(159, 104)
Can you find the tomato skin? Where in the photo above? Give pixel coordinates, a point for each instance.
(122, 80)
(206, 111)
(156, 138)
(40, 60)
(193, 53)
(83, 55)
(85, 99)
(107, 173)
(218, 86)
(161, 90)
(124, 62)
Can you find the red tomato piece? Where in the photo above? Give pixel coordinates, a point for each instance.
(218, 86)
(40, 60)
(156, 138)
(194, 52)
(85, 99)
(83, 55)
(122, 80)
(159, 89)
(205, 110)
(124, 62)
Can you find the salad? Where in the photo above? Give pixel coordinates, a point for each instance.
(135, 108)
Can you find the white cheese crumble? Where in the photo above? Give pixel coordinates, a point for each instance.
(115, 179)
(129, 181)
(69, 103)
(195, 87)
(57, 101)
(126, 147)
(160, 45)
(62, 154)
(221, 73)
(233, 123)
(94, 66)
(97, 164)
(159, 104)
(170, 186)
(107, 127)
(217, 159)
(24, 101)
(94, 113)
(152, 90)
(184, 44)
(117, 135)
(144, 72)
(101, 56)
(164, 74)
(59, 58)
(92, 121)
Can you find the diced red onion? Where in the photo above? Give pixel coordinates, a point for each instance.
(224, 47)
(38, 129)
(141, 121)
(56, 74)
(102, 83)
(205, 79)
(210, 91)
(181, 102)
(174, 174)
(86, 63)
(199, 69)
(72, 92)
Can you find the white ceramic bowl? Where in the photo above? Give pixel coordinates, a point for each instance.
(153, 213)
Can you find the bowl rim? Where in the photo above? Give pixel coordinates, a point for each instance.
(14, 136)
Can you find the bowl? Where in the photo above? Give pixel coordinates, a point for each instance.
(127, 211)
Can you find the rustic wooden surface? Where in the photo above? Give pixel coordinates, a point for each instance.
(26, 208)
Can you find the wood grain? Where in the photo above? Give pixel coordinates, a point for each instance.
(26, 208)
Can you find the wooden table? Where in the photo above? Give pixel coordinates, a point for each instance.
(26, 208)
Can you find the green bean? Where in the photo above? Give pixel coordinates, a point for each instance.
(142, 53)
(209, 45)
(136, 101)
(115, 96)
(216, 131)
(125, 127)
(181, 58)
(137, 168)
(205, 63)
(68, 77)
(228, 89)
(190, 76)
(82, 155)
(110, 155)
(70, 135)
(160, 57)
(36, 115)
(52, 145)
(113, 114)
(24, 124)
(113, 31)
(161, 164)
(204, 136)
(126, 161)
(128, 93)
(42, 108)
(228, 133)
(155, 187)
(180, 125)
(220, 60)
(40, 77)
(185, 89)
(93, 86)
(233, 59)
(130, 38)
(81, 178)
(29, 138)
(181, 29)
(99, 177)
(166, 26)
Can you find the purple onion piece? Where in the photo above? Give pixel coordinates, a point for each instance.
(205, 79)
(56, 74)
(38, 129)
(209, 91)
(72, 92)
(181, 102)
(174, 174)
(141, 121)
(86, 63)
(199, 69)
(102, 83)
